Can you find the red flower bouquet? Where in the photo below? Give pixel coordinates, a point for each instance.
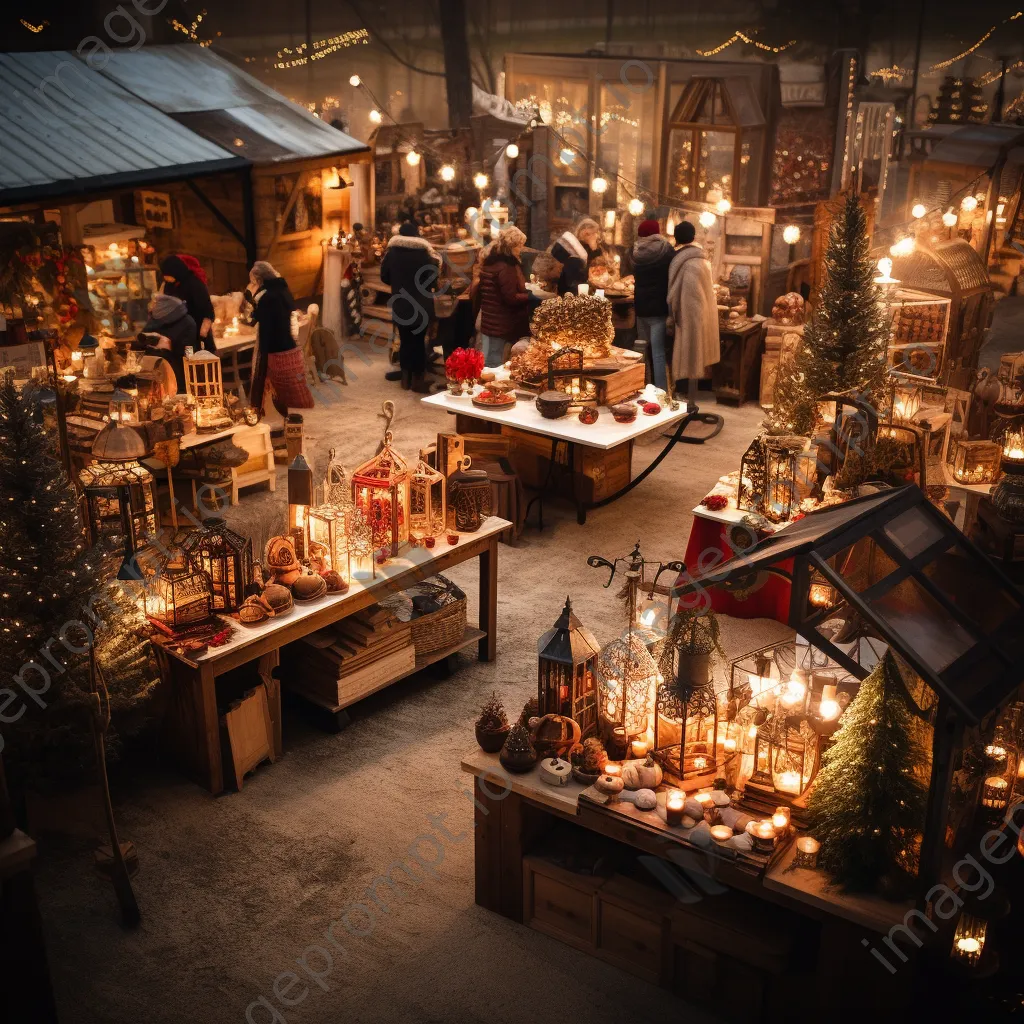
(715, 502)
(464, 364)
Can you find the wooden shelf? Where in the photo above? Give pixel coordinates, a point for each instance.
(469, 637)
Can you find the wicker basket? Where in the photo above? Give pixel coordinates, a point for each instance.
(445, 627)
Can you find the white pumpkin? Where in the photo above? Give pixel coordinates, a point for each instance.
(642, 774)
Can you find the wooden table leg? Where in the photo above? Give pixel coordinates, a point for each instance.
(498, 849)
(266, 668)
(488, 645)
(191, 725)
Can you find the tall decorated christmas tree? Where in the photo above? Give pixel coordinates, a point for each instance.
(844, 344)
(55, 609)
(868, 805)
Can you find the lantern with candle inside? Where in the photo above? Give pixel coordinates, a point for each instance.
(566, 662)
(204, 386)
(124, 408)
(328, 531)
(763, 835)
(780, 820)
(975, 462)
(179, 596)
(820, 592)
(362, 563)
(428, 510)
(300, 498)
(1008, 495)
(92, 359)
(565, 374)
(969, 942)
(906, 399)
(380, 490)
(995, 794)
(627, 677)
(226, 557)
(688, 733)
(789, 476)
(119, 489)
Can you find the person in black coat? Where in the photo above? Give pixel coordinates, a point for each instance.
(410, 267)
(576, 250)
(185, 280)
(652, 256)
(169, 319)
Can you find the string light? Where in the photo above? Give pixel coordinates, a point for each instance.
(293, 58)
(969, 204)
(635, 206)
(447, 173)
(918, 211)
(949, 218)
(791, 234)
(376, 116)
(737, 35)
(893, 74)
(355, 81)
(191, 30)
(480, 180)
(511, 151)
(599, 185)
(36, 29)
(723, 206)
(412, 158)
(707, 220)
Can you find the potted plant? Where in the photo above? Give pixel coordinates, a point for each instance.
(588, 760)
(693, 639)
(492, 726)
(462, 368)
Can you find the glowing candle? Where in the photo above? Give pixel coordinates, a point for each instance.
(780, 820)
(729, 745)
(613, 769)
(674, 801)
(790, 782)
(720, 833)
(640, 747)
(807, 852)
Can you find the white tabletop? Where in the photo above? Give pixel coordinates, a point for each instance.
(245, 338)
(195, 439)
(604, 434)
(411, 558)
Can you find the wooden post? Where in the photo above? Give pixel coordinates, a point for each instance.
(489, 600)
(458, 77)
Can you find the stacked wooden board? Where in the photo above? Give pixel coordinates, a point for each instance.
(352, 658)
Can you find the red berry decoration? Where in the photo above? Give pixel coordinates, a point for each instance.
(715, 502)
(651, 408)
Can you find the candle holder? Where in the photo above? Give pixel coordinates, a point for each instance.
(995, 794)
(807, 850)
(763, 835)
(1008, 495)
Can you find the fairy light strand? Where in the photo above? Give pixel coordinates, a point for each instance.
(749, 40)
(970, 49)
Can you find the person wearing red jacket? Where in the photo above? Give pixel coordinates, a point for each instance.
(502, 297)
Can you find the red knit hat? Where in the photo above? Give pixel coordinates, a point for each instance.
(648, 227)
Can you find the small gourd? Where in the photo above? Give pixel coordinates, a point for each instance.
(642, 775)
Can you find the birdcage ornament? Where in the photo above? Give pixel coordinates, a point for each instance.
(427, 501)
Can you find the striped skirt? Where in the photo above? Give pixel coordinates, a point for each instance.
(286, 372)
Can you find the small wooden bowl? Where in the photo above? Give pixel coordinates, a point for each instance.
(552, 405)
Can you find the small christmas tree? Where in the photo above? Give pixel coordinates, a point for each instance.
(868, 804)
(492, 715)
(960, 100)
(844, 344)
(54, 610)
(518, 753)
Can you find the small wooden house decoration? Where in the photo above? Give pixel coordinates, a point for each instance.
(428, 510)
(566, 660)
(954, 620)
(226, 557)
(975, 462)
(119, 489)
(179, 596)
(204, 385)
(380, 490)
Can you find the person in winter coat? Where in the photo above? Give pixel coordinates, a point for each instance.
(693, 309)
(652, 255)
(170, 320)
(576, 250)
(185, 279)
(411, 267)
(277, 359)
(502, 296)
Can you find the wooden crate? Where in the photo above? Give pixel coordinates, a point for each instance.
(599, 473)
(620, 385)
(247, 733)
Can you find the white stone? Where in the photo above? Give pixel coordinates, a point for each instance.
(741, 842)
(701, 834)
(720, 798)
(645, 799)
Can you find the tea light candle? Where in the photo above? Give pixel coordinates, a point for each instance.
(640, 747)
(780, 820)
(720, 833)
(613, 769)
(729, 745)
(704, 799)
(763, 834)
(807, 848)
(790, 782)
(674, 801)
(583, 289)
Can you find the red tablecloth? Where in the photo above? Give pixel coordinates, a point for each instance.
(708, 548)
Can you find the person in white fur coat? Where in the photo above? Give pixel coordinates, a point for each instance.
(693, 309)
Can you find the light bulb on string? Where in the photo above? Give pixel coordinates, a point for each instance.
(447, 173)
(376, 116)
(480, 180)
(723, 206)
(511, 151)
(969, 204)
(791, 234)
(707, 220)
(918, 211)
(635, 207)
(599, 185)
(355, 81)
(412, 158)
(949, 218)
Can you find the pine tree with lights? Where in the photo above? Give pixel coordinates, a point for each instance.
(868, 805)
(844, 344)
(54, 607)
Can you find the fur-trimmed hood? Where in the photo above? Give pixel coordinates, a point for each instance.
(573, 246)
(414, 242)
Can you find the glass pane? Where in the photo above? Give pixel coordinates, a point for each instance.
(863, 565)
(625, 137)
(680, 161)
(922, 625)
(744, 103)
(914, 531)
(971, 585)
(717, 152)
(563, 104)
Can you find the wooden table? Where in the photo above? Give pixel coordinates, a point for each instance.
(193, 726)
(736, 377)
(571, 443)
(717, 894)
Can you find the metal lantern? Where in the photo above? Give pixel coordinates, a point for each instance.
(380, 490)
(428, 512)
(179, 596)
(469, 498)
(1008, 494)
(300, 498)
(92, 359)
(124, 408)
(906, 399)
(975, 462)
(204, 385)
(337, 486)
(565, 374)
(119, 489)
(627, 678)
(226, 557)
(566, 661)
(969, 940)
(788, 476)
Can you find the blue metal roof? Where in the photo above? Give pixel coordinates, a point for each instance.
(69, 129)
(186, 80)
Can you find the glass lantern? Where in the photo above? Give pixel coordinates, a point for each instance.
(906, 400)
(226, 557)
(753, 478)
(627, 678)
(380, 490)
(566, 661)
(565, 374)
(976, 462)
(179, 596)
(329, 529)
(789, 477)
(205, 387)
(362, 564)
(428, 512)
(969, 940)
(124, 408)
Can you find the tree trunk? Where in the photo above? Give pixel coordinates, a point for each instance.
(457, 73)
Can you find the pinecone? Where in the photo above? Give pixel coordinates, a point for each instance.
(492, 715)
(518, 755)
(531, 709)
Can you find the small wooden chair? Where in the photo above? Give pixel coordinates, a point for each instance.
(260, 468)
